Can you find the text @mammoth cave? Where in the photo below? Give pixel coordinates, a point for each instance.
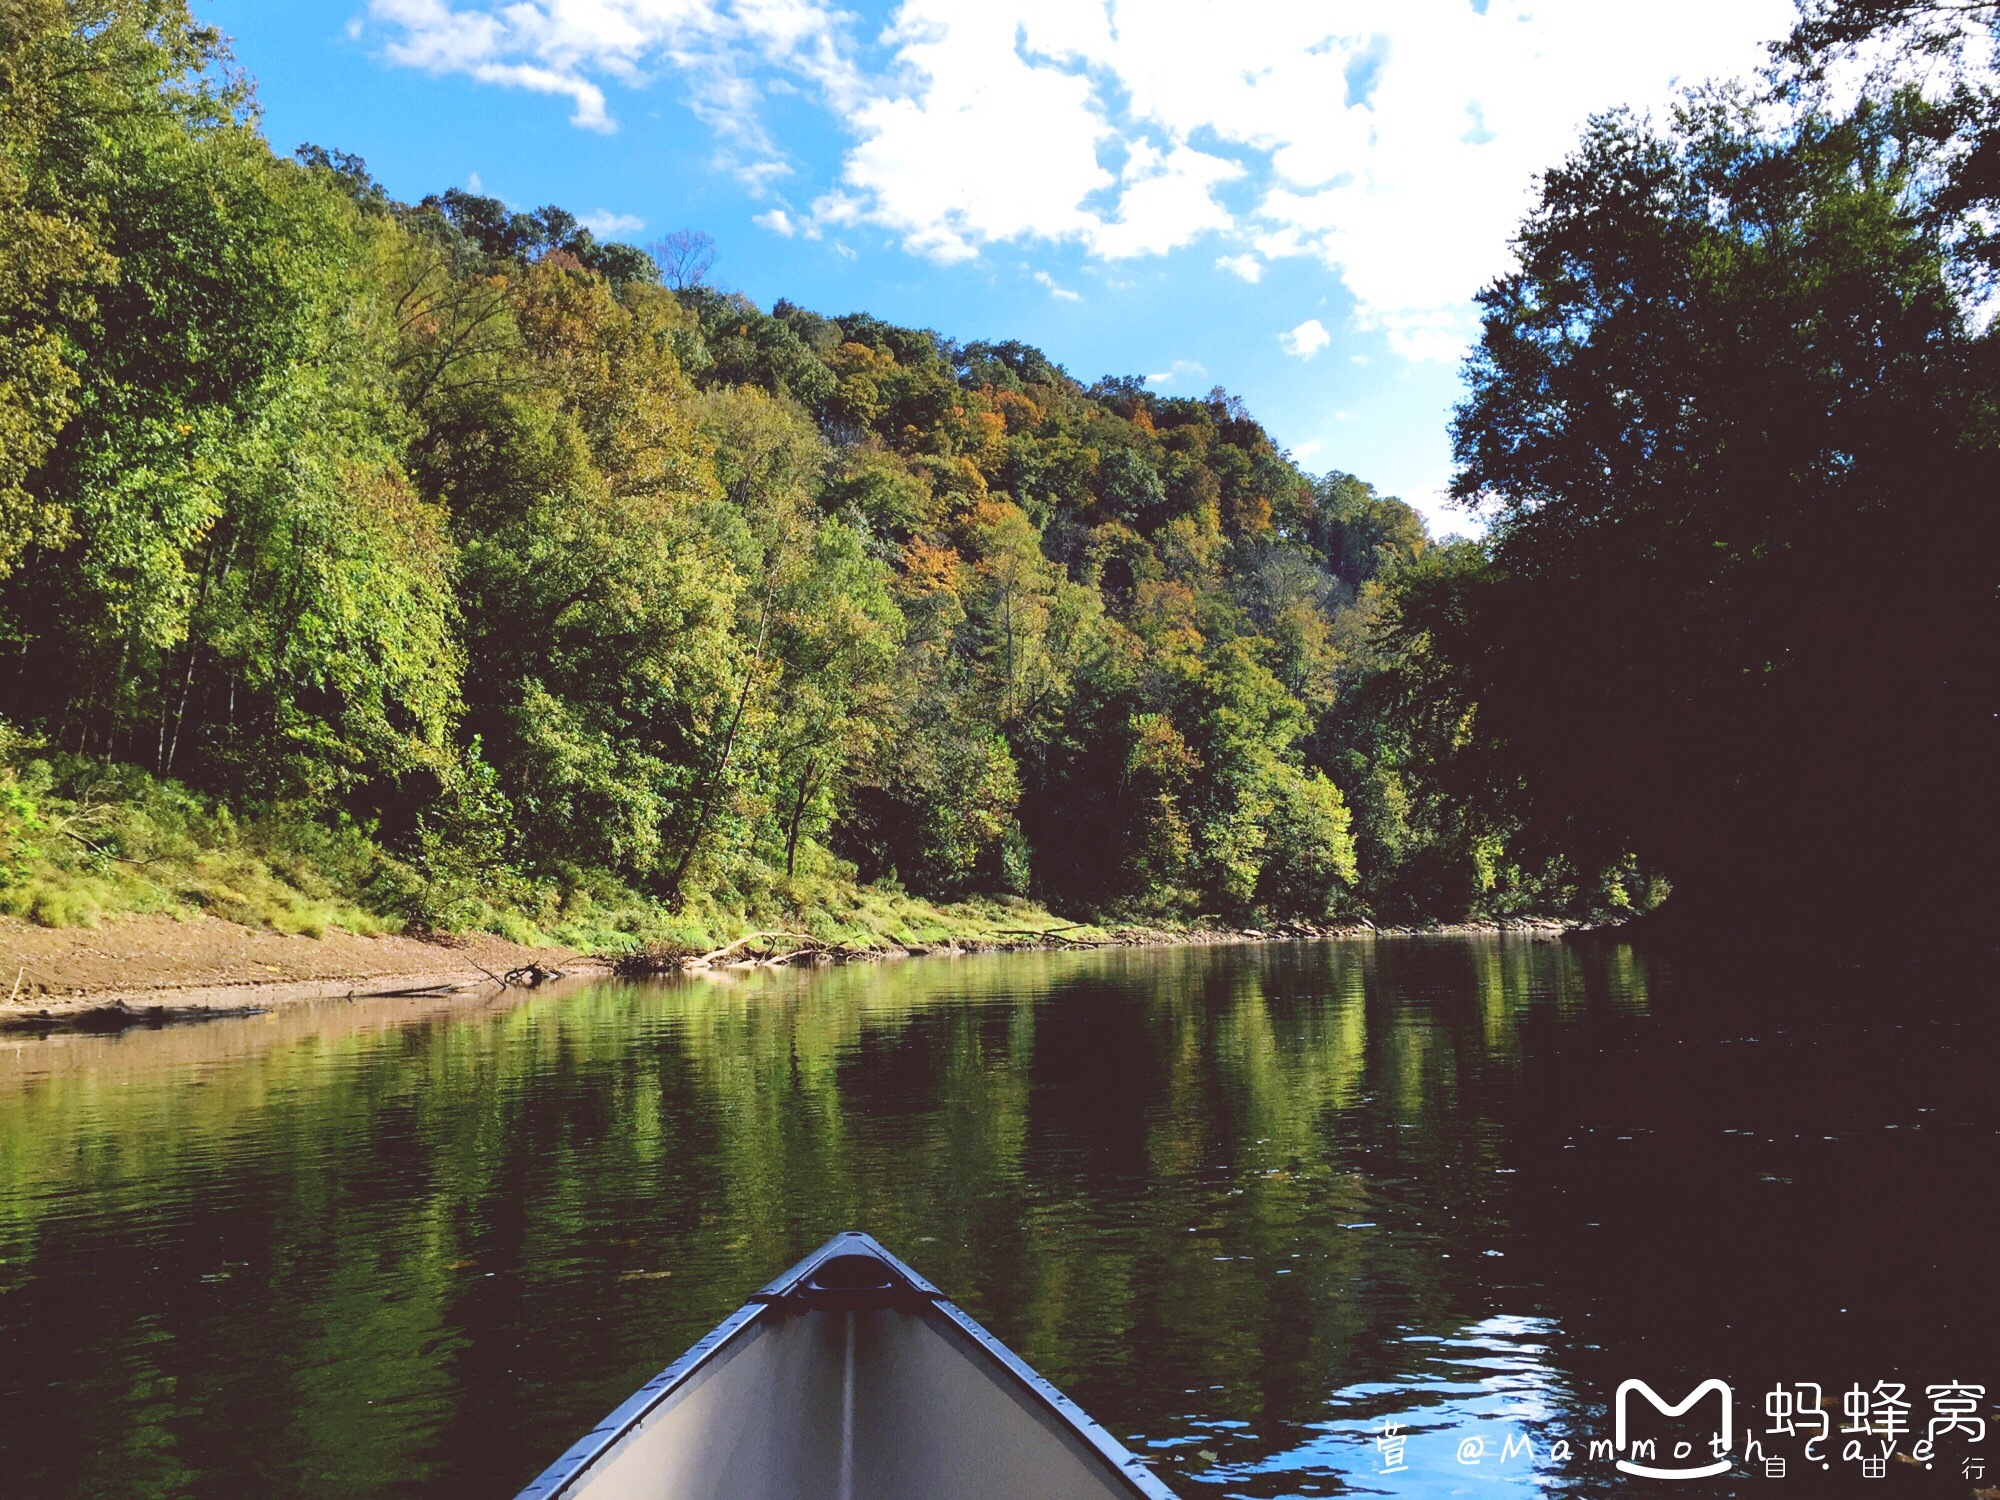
(1696, 1437)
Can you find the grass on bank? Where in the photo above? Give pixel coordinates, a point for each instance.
(83, 841)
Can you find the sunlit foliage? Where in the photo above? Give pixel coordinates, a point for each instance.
(449, 526)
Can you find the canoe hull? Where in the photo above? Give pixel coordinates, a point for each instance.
(789, 1401)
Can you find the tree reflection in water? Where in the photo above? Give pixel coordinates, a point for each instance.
(1244, 1204)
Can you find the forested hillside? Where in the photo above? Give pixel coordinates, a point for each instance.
(497, 570)
(453, 528)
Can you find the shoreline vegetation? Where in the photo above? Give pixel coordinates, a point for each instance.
(430, 573)
(145, 902)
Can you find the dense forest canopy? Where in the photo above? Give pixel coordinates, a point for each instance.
(1733, 419)
(546, 568)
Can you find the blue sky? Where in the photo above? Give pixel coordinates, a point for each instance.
(1293, 200)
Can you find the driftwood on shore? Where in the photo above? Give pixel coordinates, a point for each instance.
(752, 950)
(780, 948)
(527, 977)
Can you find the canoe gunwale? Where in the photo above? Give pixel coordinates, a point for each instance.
(782, 1295)
(641, 1404)
(1079, 1423)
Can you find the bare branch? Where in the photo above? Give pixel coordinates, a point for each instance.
(685, 258)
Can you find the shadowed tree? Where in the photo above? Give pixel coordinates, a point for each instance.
(1733, 431)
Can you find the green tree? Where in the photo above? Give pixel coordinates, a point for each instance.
(599, 571)
(53, 264)
(1730, 425)
(243, 585)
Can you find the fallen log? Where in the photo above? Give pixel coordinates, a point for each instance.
(530, 975)
(1047, 933)
(526, 977)
(707, 959)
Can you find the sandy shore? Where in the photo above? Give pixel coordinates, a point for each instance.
(154, 967)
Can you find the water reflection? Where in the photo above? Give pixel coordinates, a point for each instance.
(1249, 1206)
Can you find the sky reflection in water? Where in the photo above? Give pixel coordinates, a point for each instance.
(1491, 1383)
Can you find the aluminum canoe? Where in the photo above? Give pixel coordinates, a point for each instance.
(850, 1377)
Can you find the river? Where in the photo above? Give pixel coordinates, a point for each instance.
(1291, 1220)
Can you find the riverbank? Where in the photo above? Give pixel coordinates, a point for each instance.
(153, 969)
(789, 949)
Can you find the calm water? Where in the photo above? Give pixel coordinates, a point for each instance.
(1249, 1206)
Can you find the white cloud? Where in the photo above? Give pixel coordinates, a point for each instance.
(473, 184)
(1395, 142)
(1184, 370)
(777, 221)
(983, 146)
(605, 224)
(567, 47)
(759, 175)
(1306, 340)
(1168, 201)
(1305, 450)
(1060, 293)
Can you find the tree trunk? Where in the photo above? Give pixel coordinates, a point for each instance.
(706, 801)
(170, 745)
(798, 813)
(117, 697)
